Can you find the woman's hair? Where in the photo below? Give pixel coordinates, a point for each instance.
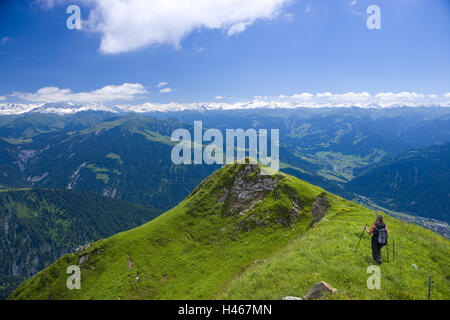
(379, 219)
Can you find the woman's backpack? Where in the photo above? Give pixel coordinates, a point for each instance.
(382, 234)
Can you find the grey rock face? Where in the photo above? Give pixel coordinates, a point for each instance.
(84, 259)
(248, 189)
(320, 207)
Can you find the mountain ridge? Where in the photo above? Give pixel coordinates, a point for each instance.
(231, 224)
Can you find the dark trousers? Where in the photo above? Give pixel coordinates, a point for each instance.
(376, 249)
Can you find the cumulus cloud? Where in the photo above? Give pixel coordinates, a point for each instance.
(133, 24)
(365, 99)
(303, 96)
(167, 90)
(129, 92)
(126, 91)
(351, 96)
(400, 96)
(327, 99)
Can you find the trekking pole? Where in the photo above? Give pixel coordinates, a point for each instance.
(387, 248)
(361, 237)
(393, 249)
(429, 286)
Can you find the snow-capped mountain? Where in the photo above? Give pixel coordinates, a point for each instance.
(70, 108)
(16, 108)
(63, 108)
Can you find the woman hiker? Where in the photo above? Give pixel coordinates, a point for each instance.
(378, 227)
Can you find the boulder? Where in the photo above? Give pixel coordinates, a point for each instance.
(320, 207)
(291, 298)
(318, 291)
(83, 259)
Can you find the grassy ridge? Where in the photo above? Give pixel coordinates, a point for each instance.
(208, 248)
(327, 253)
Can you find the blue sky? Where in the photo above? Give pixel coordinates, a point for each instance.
(284, 49)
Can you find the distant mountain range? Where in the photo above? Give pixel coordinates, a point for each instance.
(64, 108)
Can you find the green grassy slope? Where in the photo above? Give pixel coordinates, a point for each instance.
(215, 242)
(327, 253)
(39, 226)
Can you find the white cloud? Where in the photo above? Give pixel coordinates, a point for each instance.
(324, 95)
(126, 91)
(129, 92)
(350, 99)
(351, 96)
(400, 96)
(167, 90)
(354, 2)
(133, 24)
(303, 96)
(4, 40)
(162, 84)
(365, 99)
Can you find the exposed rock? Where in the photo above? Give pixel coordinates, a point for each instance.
(294, 213)
(249, 188)
(24, 157)
(37, 178)
(318, 291)
(83, 259)
(320, 207)
(291, 298)
(83, 247)
(74, 177)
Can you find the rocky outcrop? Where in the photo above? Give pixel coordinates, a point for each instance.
(248, 190)
(319, 290)
(320, 207)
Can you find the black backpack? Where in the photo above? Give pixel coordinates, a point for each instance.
(381, 234)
